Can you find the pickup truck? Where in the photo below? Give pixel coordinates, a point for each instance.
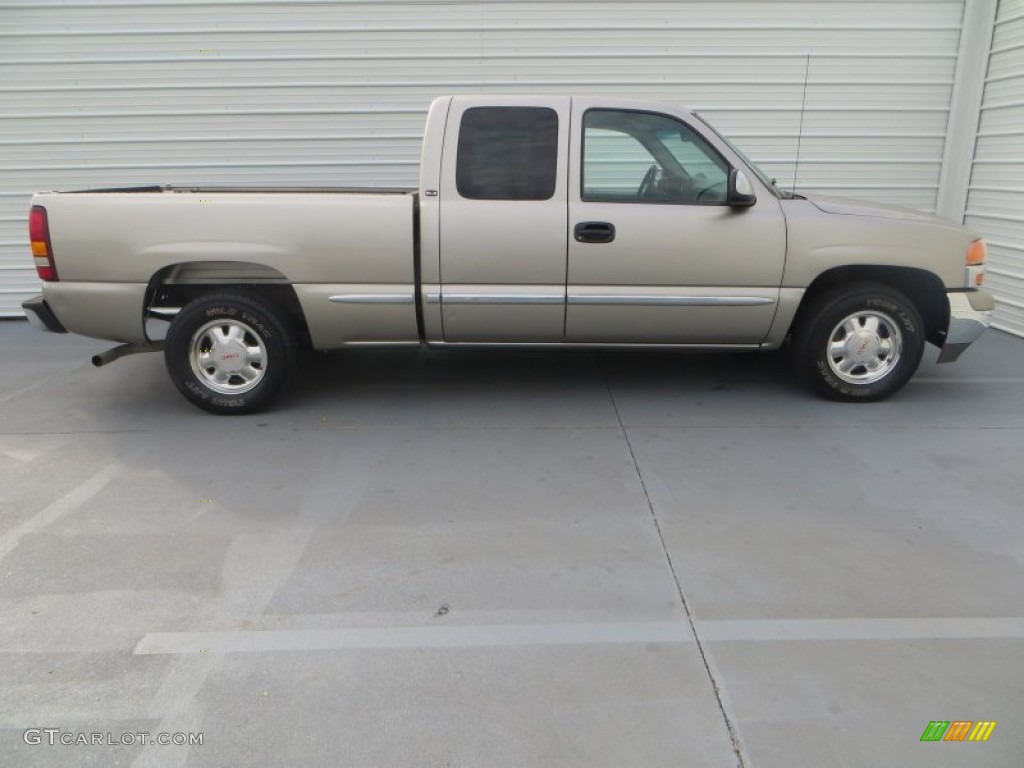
(544, 221)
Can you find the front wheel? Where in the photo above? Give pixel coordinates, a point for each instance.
(859, 343)
(228, 353)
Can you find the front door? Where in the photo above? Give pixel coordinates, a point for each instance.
(655, 253)
(503, 203)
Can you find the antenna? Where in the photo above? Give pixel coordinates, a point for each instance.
(800, 131)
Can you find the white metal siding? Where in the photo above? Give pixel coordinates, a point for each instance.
(995, 201)
(325, 92)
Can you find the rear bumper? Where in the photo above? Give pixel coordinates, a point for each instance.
(970, 313)
(41, 316)
(111, 311)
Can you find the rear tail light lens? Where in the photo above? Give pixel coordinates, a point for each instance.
(42, 251)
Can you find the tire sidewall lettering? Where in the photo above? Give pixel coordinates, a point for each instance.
(257, 325)
(842, 386)
(234, 403)
(893, 311)
(197, 389)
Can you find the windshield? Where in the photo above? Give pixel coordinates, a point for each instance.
(764, 177)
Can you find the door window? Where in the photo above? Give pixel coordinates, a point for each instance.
(643, 157)
(507, 153)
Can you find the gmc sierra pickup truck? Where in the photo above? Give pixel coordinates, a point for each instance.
(539, 221)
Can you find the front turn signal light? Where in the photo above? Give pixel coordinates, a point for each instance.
(977, 253)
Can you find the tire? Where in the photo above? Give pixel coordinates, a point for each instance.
(859, 343)
(228, 353)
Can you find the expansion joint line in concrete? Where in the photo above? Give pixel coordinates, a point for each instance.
(729, 726)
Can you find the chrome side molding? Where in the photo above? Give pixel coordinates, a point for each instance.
(502, 298)
(372, 298)
(655, 300)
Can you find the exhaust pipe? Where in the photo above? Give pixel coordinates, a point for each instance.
(104, 358)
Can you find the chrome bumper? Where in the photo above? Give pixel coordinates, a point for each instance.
(970, 313)
(41, 316)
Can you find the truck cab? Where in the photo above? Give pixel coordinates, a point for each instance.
(556, 220)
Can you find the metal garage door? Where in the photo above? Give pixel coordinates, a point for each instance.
(995, 201)
(106, 92)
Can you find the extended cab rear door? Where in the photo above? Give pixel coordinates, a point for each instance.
(503, 217)
(655, 253)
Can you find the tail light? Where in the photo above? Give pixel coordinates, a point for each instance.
(42, 251)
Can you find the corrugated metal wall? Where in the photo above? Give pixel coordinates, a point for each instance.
(107, 92)
(995, 200)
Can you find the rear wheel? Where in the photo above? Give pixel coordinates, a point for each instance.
(859, 343)
(228, 353)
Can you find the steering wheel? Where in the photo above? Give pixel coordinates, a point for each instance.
(648, 181)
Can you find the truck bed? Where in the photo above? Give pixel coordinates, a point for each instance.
(112, 245)
(246, 190)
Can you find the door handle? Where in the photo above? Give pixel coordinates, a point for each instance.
(594, 232)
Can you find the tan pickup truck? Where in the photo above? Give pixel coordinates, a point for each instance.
(539, 221)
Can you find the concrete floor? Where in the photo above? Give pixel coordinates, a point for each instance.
(522, 559)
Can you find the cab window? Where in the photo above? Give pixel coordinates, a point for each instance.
(507, 153)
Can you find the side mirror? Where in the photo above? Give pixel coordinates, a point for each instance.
(741, 191)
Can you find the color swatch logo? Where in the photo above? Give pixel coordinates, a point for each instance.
(958, 730)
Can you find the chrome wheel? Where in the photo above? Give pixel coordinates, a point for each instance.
(864, 347)
(228, 356)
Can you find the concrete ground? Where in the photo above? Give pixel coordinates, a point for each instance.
(518, 559)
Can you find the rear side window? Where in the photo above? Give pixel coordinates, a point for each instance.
(507, 153)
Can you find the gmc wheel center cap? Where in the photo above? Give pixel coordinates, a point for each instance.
(230, 356)
(863, 346)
